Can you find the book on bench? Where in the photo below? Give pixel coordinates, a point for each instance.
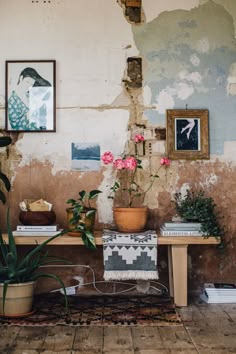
(36, 233)
(37, 227)
(181, 229)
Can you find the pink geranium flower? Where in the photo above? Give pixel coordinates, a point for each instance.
(165, 161)
(127, 171)
(119, 164)
(138, 138)
(130, 163)
(107, 157)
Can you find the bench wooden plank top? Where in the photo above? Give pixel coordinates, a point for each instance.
(77, 240)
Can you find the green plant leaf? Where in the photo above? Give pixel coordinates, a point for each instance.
(5, 180)
(2, 197)
(88, 239)
(5, 286)
(80, 227)
(71, 201)
(39, 247)
(5, 141)
(90, 212)
(93, 194)
(55, 277)
(4, 248)
(54, 259)
(11, 240)
(82, 195)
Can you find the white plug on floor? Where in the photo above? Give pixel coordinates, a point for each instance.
(71, 290)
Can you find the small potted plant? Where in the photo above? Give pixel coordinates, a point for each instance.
(128, 177)
(81, 217)
(18, 275)
(197, 207)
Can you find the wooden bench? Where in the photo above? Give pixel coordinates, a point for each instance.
(177, 256)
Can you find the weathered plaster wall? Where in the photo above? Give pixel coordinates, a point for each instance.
(188, 49)
(191, 64)
(189, 59)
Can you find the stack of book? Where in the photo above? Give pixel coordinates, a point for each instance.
(181, 229)
(28, 230)
(216, 293)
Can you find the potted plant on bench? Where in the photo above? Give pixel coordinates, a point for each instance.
(18, 276)
(81, 217)
(197, 207)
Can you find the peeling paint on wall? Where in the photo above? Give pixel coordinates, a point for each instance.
(229, 5)
(191, 64)
(152, 11)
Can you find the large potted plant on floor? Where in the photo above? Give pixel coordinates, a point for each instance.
(81, 216)
(128, 173)
(18, 275)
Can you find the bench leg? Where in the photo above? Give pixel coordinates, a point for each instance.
(170, 269)
(180, 273)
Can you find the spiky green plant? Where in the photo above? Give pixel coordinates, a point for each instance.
(80, 206)
(15, 270)
(4, 141)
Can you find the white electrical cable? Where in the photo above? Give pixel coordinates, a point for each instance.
(94, 282)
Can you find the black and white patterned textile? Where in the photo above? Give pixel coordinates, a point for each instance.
(130, 256)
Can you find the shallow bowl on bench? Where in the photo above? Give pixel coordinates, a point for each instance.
(37, 218)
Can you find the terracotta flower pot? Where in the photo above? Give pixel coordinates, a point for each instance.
(130, 219)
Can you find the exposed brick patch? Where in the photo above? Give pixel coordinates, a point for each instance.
(160, 133)
(134, 14)
(133, 3)
(132, 10)
(134, 72)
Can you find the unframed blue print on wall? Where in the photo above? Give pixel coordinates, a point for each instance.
(85, 156)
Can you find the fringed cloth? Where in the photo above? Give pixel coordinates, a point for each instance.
(130, 256)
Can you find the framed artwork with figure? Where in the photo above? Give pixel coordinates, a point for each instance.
(31, 95)
(187, 134)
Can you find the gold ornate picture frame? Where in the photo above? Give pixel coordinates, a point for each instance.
(187, 134)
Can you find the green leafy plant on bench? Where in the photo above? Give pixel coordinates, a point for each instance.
(81, 216)
(197, 207)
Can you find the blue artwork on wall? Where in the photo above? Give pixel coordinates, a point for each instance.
(85, 156)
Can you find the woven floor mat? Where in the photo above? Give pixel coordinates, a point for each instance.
(144, 310)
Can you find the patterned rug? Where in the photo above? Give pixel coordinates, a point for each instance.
(49, 310)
